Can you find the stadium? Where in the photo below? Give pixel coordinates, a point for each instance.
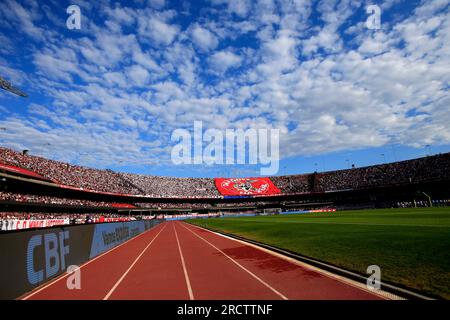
(38, 193)
(241, 156)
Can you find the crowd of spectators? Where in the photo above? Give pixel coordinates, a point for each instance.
(41, 199)
(73, 217)
(433, 168)
(53, 215)
(399, 173)
(13, 220)
(71, 175)
(39, 215)
(205, 206)
(109, 181)
(166, 187)
(168, 205)
(293, 184)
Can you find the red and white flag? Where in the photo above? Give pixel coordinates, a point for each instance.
(246, 186)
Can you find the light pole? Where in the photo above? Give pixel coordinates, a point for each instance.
(384, 157)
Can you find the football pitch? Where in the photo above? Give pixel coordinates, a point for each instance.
(411, 246)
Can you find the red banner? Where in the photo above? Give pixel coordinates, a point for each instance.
(246, 186)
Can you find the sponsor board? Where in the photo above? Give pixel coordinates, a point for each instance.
(31, 258)
(107, 236)
(13, 224)
(309, 211)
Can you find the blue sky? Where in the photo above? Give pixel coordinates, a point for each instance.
(110, 94)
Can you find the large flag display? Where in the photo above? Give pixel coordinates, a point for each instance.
(246, 186)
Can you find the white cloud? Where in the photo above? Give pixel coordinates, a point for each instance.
(22, 17)
(115, 78)
(279, 54)
(223, 60)
(327, 39)
(157, 31)
(204, 38)
(241, 8)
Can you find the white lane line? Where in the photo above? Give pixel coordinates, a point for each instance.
(241, 266)
(380, 293)
(186, 276)
(131, 267)
(64, 275)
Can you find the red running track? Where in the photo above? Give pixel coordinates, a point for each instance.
(178, 261)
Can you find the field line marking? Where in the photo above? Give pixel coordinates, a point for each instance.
(350, 282)
(186, 276)
(240, 266)
(65, 274)
(131, 266)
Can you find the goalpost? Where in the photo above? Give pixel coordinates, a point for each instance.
(271, 211)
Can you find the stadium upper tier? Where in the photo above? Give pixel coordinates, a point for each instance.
(432, 168)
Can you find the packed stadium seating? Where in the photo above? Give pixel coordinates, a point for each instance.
(198, 206)
(53, 215)
(293, 184)
(167, 205)
(40, 199)
(64, 173)
(398, 173)
(10, 221)
(430, 168)
(163, 187)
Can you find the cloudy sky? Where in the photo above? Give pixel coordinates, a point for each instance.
(110, 94)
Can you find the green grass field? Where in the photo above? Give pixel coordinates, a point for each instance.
(412, 246)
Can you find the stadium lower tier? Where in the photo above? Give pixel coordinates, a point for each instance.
(54, 200)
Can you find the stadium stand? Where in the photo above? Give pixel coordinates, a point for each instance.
(10, 221)
(54, 215)
(398, 173)
(429, 169)
(164, 187)
(41, 199)
(293, 184)
(70, 175)
(48, 191)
